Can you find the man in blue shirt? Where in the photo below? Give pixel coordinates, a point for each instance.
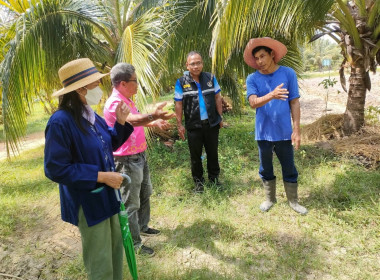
(273, 92)
(197, 96)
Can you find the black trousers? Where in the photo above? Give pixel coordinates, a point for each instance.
(208, 137)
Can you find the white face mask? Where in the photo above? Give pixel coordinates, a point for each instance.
(93, 96)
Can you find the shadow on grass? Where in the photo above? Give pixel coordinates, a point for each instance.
(20, 203)
(35, 155)
(260, 255)
(179, 273)
(25, 176)
(27, 187)
(238, 156)
(351, 190)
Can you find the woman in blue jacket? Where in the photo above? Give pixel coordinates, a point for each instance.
(78, 156)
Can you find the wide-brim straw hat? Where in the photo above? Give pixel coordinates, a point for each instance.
(278, 48)
(76, 74)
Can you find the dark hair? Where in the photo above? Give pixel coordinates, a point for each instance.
(121, 72)
(71, 103)
(255, 50)
(193, 53)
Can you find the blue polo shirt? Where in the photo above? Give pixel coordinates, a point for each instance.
(273, 120)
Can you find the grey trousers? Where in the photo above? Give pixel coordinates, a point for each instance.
(136, 195)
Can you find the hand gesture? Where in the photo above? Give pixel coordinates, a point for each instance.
(161, 114)
(181, 131)
(122, 111)
(296, 139)
(161, 124)
(280, 93)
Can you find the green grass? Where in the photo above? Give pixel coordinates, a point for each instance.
(36, 121)
(166, 97)
(222, 234)
(22, 186)
(309, 75)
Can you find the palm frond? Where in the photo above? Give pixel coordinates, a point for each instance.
(18, 6)
(141, 45)
(191, 24)
(287, 21)
(362, 7)
(347, 22)
(44, 38)
(374, 14)
(232, 88)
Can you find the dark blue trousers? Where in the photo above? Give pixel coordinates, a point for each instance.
(285, 154)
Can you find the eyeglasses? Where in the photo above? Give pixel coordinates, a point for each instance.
(199, 63)
(132, 81)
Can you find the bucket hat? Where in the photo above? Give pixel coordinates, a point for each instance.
(76, 74)
(278, 48)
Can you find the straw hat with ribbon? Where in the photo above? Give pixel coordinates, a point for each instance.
(76, 74)
(278, 48)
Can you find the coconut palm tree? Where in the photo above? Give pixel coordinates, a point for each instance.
(110, 31)
(220, 30)
(40, 36)
(355, 25)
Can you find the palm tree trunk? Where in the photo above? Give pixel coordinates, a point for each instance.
(353, 118)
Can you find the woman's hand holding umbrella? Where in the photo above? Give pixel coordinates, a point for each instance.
(112, 179)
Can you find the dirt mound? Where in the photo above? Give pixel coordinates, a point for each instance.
(325, 128)
(364, 145)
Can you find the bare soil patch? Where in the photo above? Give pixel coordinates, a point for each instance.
(29, 142)
(39, 253)
(364, 145)
(313, 98)
(324, 128)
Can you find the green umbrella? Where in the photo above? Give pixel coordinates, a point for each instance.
(126, 235)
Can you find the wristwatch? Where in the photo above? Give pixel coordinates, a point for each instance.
(150, 117)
